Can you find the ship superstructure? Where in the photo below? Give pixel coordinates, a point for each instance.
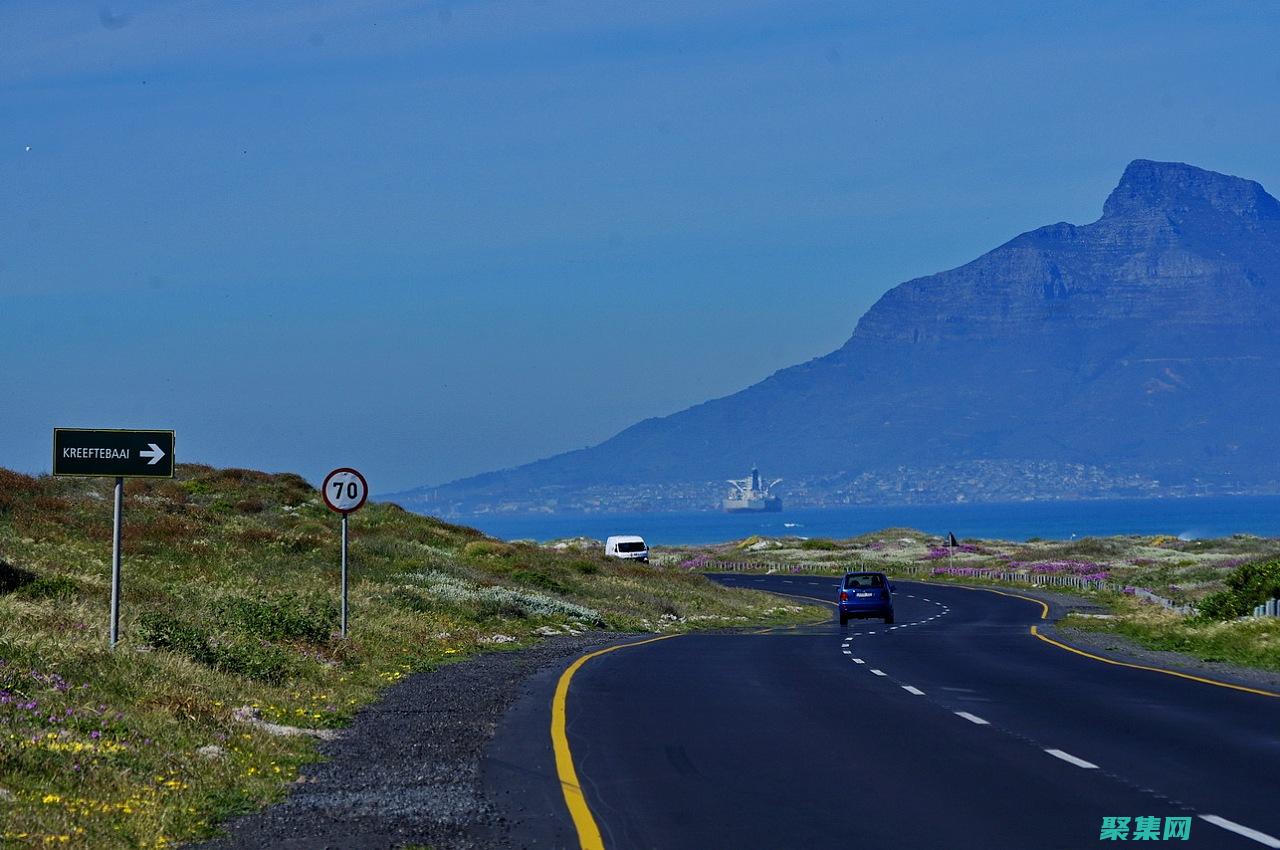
(751, 494)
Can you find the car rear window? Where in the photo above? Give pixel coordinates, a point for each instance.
(631, 547)
(866, 580)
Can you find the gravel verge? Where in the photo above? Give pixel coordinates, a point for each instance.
(407, 771)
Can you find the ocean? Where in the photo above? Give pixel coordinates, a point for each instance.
(1208, 516)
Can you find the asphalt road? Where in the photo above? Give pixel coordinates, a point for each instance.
(955, 729)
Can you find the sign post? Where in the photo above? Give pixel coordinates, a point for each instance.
(345, 492)
(115, 561)
(106, 453)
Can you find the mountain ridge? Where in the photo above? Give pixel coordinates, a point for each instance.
(1136, 344)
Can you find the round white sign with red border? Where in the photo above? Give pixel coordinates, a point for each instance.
(345, 490)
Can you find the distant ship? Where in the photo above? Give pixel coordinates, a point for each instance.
(749, 495)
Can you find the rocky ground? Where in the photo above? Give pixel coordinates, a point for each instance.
(407, 772)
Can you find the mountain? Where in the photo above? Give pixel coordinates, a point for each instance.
(1136, 355)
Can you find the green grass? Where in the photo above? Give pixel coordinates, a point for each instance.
(230, 599)
(1252, 642)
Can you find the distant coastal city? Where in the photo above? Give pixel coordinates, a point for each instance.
(974, 481)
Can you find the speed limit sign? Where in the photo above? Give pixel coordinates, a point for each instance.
(345, 490)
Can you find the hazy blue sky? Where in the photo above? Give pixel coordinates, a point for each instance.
(430, 239)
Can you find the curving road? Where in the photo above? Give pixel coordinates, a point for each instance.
(956, 728)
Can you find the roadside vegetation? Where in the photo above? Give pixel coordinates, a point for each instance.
(1249, 642)
(1183, 571)
(230, 667)
(1224, 579)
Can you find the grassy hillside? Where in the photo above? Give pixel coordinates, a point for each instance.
(230, 602)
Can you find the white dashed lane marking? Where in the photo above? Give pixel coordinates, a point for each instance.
(911, 689)
(1260, 837)
(1218, 821)
(943, 610)
(1070, 759)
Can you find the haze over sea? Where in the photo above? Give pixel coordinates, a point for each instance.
(1188, 517)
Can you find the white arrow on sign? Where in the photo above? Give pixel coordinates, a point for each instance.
(155, 454)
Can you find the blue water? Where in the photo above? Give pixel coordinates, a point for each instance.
(1189, 518)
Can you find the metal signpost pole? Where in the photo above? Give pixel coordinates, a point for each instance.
(113, 453)
(344, 491)
(344, 575)
(115, 564)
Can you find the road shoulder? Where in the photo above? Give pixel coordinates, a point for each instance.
(1123, 648)
(409, 769)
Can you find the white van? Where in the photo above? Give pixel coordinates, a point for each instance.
(628, 547)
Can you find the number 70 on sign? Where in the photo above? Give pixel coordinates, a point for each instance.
(345, 490)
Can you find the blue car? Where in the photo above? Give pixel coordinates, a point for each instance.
(866, 595)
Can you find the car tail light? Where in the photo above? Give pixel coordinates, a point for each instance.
(844, 597)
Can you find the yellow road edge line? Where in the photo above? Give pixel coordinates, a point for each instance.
(1044, 606)
(1201, 679)
(583, 821)
(1044, 615)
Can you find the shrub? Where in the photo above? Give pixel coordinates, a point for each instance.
(164, 631)
(254, 537)
(254, 659)
(585, 567)
(411, 600)
(232, 654)
(1247, 586)
(1223, 605)
(542, 581)
(14, 488)
(50, 587)
(12, 578)
(487, 549)
(819, 543)
(500, 604)
(278, 616)
(537, 605)
(501, 601)
(302, 540)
